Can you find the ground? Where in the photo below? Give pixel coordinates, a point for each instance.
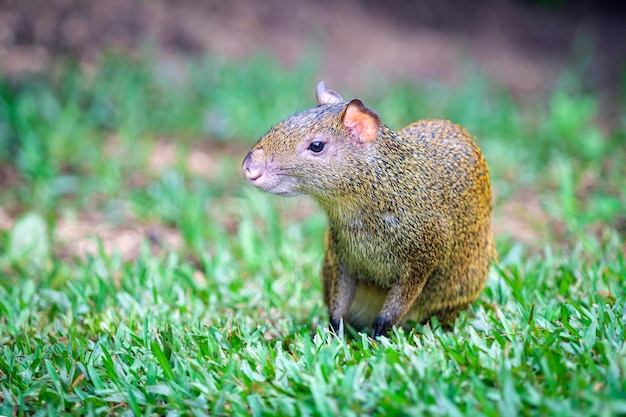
(521, 44)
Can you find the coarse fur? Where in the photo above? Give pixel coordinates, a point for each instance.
(409, 232)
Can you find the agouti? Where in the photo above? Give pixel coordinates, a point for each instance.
(409, 234)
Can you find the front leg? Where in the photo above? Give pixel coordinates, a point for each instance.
(340, 298)
(399, 300)
(339, 286)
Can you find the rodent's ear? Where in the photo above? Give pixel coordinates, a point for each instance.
(326, 96)
(360, 121)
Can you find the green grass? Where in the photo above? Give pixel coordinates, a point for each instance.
(232, 321)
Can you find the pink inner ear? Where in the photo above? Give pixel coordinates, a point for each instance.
(361, 122)
(354, 128)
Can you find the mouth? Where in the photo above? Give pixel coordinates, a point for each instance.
(284, 193)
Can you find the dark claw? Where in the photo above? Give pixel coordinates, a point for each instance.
(335, 325)
(381, 327)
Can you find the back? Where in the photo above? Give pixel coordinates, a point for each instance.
(461, 170)
(461, 175)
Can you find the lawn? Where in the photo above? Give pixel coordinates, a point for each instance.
(140, 274)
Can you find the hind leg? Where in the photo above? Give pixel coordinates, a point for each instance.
(446, 315)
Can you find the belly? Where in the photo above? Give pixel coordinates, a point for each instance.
(367, 303)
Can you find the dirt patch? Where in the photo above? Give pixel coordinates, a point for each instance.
(6, 221)
(200, 161)
(9, 176)
(200, 158)
(87, 236)
(523, 219)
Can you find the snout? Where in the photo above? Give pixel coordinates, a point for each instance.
(266, 175)
(254, 169)
(251, 170)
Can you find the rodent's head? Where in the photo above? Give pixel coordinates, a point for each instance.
(315, 152)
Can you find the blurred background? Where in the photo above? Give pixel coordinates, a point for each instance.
(521, 44)
(127, 120)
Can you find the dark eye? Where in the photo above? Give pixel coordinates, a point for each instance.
(317, 146)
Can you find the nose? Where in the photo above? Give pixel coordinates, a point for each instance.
(252, 173)
(250, 170)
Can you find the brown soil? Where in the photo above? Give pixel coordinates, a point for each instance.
(518, 43)
(82, 237)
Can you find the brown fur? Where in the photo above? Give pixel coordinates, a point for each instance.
(409, 212)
